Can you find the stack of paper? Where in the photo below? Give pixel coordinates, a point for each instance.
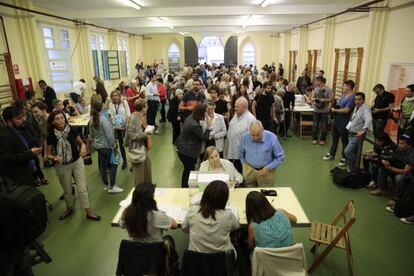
(177, 212)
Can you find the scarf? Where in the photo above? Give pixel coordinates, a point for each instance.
(63, 147)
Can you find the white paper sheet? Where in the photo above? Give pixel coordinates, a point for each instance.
(207, 178)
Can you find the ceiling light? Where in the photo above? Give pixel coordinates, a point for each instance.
(182, 33)
(264, 4)
(135, 4)
(159, 19)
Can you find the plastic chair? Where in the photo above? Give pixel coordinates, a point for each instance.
(282, 261)
(334, 236)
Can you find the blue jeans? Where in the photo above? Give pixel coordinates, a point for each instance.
(320, 119)
(351, 151)
(104, 157)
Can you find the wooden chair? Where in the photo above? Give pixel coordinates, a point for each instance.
(334, 236)
(303, 124)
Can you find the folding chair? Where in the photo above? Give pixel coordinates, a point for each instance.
(333, 236)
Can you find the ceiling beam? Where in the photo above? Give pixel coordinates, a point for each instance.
(203, 11)
(148, 23)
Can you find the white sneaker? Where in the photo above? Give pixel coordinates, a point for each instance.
(389, 209)
(409, 220)
(106, 187)
(342, 162)
(328, 156)
(115, 190)
(371, 184)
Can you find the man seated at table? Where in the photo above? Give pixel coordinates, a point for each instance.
(260, 155)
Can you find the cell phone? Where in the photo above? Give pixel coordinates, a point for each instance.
(268, 192)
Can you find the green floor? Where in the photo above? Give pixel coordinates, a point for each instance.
(381, 244)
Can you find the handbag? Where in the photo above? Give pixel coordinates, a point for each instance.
(137, 155)
(115, 155)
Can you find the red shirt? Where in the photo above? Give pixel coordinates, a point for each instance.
(131, 92)
(162, 92)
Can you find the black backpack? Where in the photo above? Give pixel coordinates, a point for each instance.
(354, 180)
(23, 214)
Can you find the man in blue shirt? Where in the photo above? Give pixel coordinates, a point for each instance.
(341, 115)
(260, 155)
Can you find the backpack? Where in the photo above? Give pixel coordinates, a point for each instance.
(353, 180)
(23, 213)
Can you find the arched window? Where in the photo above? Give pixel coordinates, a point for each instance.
(248, 54)
(211, 50)
(173, 58)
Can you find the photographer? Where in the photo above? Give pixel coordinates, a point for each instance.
(384, 148)
(399, 167)
(321, 98)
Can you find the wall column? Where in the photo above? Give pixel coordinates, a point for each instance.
(327, 50)
(303, 45)
(378, 19)
(286, 52)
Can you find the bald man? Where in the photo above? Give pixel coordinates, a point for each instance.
(260, 155)
(238, 126)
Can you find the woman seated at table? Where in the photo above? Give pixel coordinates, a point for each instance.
(213, 163)
(267, 227)
(142, 219)
(210, 223)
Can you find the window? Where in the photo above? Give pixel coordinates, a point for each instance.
(248, 54)
(94, 45)
(64, 34)
(57, 52)
(211, 50)
(173, 58)
(48, 37)
(98, 44)
(123, 55)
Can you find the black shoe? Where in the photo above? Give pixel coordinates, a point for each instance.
(66, 214)
(124, 165)
(62, 197)
(95, 218)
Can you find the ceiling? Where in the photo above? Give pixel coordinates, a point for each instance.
(174, 16)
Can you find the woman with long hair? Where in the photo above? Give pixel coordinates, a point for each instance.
(267, 227)
(142, 219)
(210, 223)
(103, 137)
(119, 110)
(190, 142)
(136, 137)
(66, 149)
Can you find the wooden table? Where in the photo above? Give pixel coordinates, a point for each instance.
(286, 199)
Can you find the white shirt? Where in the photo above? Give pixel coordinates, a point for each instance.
(78, 88)
(237, 127)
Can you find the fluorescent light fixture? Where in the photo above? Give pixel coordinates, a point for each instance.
(247, 22)
(171, 27)
(182, 33)
(159, 19)
(264, 4)
(135, 5)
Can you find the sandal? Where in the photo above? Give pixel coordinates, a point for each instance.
(66, 214)
(44, 182)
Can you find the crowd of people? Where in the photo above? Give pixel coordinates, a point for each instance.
(224, 119)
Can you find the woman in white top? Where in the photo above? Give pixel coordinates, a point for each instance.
(214, 163)
(119, 110)
(219, 130)
(210, 224)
